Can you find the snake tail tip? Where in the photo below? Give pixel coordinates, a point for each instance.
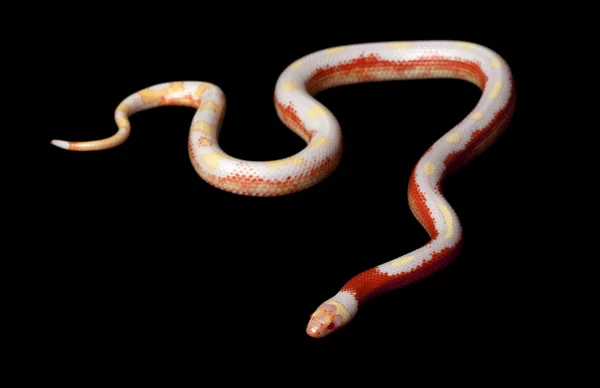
(60, 144)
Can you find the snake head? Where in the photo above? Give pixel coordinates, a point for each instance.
(326, 319)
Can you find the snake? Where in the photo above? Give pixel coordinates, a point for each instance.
(300, 111)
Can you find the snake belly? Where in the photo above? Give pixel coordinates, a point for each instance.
(317, 126)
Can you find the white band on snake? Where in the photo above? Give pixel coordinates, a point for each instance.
(302, 113)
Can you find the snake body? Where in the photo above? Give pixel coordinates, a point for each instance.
(314, 123)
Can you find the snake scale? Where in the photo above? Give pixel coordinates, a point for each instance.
(317, 126)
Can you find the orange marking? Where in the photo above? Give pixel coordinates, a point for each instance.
(482, 138)
(289, 116)
(123, 108)
(153, 95)
(204, 142)
(209, 105)
(205, 127)
(246, 182)
(189, 100)
(203, 88)
(373, 282)
(373, 67)
(418, 205)
(123, 122)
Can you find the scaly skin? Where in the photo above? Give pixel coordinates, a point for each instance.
(302, 113)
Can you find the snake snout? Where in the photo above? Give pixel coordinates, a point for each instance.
(329, 317)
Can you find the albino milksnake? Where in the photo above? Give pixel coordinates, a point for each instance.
(314, 123)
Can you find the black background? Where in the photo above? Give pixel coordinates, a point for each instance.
(146, 255)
